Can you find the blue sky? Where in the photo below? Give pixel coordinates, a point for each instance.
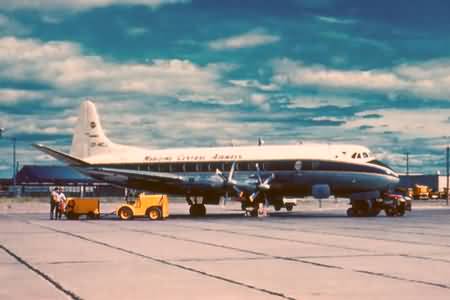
(174, 73)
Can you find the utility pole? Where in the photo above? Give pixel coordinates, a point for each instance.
(448, 169)
(14, 161)
(407, 170)
(407, 163)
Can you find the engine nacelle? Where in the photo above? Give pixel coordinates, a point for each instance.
(321, 191)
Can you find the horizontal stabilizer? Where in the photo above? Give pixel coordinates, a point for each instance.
(67, 158)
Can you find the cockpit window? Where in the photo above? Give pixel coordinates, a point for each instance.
(359, 155)
(365, 155)
(354, 155)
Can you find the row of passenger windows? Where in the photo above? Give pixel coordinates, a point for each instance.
(305, 165)
(209, 167)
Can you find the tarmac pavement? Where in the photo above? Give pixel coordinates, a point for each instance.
(310, 253)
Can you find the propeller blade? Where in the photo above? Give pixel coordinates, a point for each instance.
(237, 190)
(219, 173)
(230, 175)
(258, 173)
(254, 196)
(269, 179)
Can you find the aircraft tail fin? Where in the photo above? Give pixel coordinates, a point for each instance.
(88, 137)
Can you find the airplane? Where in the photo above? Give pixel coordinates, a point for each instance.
(258, 175)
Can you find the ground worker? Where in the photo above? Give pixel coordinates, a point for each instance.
(54, 202)
(61, 202)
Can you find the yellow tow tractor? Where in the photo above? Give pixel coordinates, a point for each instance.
(155, 207)
(76, 207)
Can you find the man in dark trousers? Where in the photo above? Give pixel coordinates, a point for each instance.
(53, 202)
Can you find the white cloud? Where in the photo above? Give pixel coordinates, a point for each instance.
(249, 39)
(320, 101)
(13, 96)
(255, 84)
(333, 20)
(9, 26)
(429, 123)
(136, 31)
(261, 101)
(64, 66)
(78, 5)
(430, 79)
(297, 73)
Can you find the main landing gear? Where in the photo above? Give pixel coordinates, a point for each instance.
(196, 209)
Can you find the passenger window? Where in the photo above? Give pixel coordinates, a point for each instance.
(164, 168)
(177, 167)
(154, 167)
(315, 165)
(191, 167)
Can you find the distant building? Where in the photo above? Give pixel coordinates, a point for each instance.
(39, 180)
(435, 182)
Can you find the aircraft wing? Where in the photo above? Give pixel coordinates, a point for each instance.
(156, 177)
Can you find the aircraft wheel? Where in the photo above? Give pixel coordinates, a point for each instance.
(154, 213)
(197, 210)
(350, 212)
(125, 213)
(202, 210)
(289, 206)
(193, 210)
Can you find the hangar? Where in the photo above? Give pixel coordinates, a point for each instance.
(37, 180)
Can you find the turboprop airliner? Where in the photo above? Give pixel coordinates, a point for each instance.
(256, 175)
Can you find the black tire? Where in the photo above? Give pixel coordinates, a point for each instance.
(91, 215)
(289, 206)
(254, 212)
(350, 212)
(72, 216)
(193, 210)
(390, 212)
(154, 213)
(202, 210)
(125, 213)
(374, 212)
(277, 207)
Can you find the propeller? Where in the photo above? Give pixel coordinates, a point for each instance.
(262, 186)
(228, 182)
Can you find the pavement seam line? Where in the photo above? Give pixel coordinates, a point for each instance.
(172, 264)
(165, 235)
(46, 277)
(330, 266)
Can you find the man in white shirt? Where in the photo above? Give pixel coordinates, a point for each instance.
(61, 202)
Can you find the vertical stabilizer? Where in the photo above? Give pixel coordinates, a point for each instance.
(88, 137)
